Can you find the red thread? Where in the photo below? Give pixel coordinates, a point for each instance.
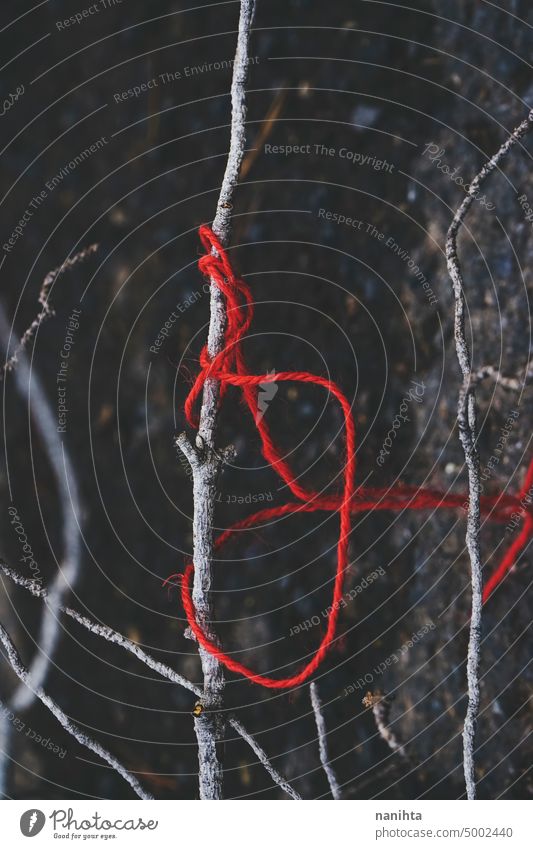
(229, 368)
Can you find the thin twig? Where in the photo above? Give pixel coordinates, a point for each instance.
(264, 132)
(47, 311)
(29, 386)
(381, 708)
(204, 459)
(118, 639)
(466, 420)
(280, 781)
(69, 726)
(323, 741)
(374, 776)
(108, 634)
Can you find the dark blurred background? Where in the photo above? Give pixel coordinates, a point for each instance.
(371, 90)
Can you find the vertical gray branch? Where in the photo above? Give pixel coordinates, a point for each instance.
(323, 742)
(204, 459)
(466, 420)
(29, 386)
(69, 726)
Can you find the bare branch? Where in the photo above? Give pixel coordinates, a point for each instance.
(466, 420)
(114, 637)
(46, 310)
(222, 220)
(35, 587)
(29, 386)
(108, 634)
(254, 745)
(323, 741)
(205, 463)
(62, 718)
(381, 708)
(513, 383)
(103, 631)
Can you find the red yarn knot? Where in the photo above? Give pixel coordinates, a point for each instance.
(216, 267)
(228, 366)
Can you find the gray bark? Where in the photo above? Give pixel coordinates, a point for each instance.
(205, 461)
(316, 702)
(29, 387)
(162, 669)
(466, 420)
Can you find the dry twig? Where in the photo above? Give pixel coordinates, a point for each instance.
(240, 729)
(466, 420)
(29, 386)
(323, 742)
(46, 310)
(162, 669)
(69, 726)
(204, 459)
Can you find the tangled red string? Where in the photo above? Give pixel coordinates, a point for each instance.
(229, 368)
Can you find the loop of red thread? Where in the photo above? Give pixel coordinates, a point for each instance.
(229, 368)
